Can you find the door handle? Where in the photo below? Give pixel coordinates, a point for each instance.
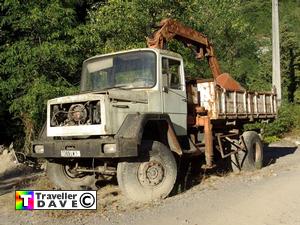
(184, 99)
(121, 106)
(165, 89)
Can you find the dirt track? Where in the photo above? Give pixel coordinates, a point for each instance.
(269, 196)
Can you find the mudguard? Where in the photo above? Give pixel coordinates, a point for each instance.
(129, 136)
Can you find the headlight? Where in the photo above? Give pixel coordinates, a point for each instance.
(39, 149)
(110, 148)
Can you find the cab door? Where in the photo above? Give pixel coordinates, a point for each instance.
(174, 93)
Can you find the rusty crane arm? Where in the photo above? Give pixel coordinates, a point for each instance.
(172, 29)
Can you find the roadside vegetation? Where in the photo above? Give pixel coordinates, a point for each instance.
(43, 44)
(288, 121)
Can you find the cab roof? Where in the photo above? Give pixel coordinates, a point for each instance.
(157, 51)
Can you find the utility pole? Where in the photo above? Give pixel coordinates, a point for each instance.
(276, 78)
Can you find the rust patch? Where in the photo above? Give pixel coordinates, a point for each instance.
(173, 142)
(205, 122)
(227, 82)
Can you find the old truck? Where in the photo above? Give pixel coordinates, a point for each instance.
(137, 115)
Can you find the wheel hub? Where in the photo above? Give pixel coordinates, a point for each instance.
(71, 172)
(151, 173)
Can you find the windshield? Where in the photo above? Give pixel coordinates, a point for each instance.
(126, 71)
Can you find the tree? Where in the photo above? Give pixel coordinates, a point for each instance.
(290, 61)
(42, 45)
(124, 25)
(37, 59)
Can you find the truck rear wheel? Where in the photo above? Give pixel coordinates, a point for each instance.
(64, 177)
(252, 157)
(150, 177)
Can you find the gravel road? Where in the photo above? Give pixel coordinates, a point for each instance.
(266, 197)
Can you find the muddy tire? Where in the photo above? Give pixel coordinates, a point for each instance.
(252, 158)
(62, 178)
(150, 177)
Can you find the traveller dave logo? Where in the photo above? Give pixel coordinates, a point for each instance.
(47, 200)
(24, 200)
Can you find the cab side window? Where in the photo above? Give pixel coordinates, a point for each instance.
(171, 67)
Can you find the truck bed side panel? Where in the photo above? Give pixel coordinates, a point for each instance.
(226, 104)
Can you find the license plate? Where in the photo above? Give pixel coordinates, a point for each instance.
(68, 153)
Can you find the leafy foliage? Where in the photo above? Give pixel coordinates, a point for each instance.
(290, 62)
(288, 119)
(37, 59)
(43, 43)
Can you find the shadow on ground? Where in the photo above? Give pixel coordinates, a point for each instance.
(17, 177)
(273, 153)
(191, 174)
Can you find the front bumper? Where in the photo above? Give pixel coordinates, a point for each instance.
(87, 148)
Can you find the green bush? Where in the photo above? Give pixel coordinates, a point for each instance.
(288, 119)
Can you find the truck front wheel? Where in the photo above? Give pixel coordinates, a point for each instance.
(151, 176)
(64, 177)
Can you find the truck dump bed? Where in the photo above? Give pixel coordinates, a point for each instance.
(226, 104)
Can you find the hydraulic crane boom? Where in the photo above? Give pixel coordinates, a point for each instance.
(172, 29)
